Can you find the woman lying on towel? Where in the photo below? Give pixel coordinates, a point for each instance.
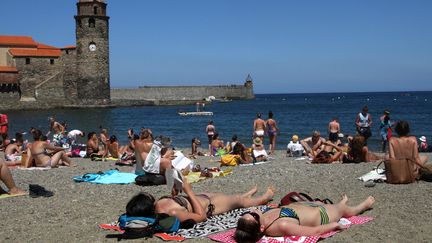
(300, 218)
(194, 208)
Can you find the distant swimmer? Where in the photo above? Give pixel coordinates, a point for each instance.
(259, 127)
(272, 131)
(334, 130)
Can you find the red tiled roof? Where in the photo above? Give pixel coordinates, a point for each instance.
(68, 47)
(18, 41)
(7, 69)
(35, 53)
(43, 46)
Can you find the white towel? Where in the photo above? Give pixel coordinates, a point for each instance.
(152, 162)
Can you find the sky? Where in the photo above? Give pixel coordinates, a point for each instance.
(287, 46)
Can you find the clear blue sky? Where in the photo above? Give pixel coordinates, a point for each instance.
(287, 46)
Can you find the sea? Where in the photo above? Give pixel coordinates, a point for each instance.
(298, 114)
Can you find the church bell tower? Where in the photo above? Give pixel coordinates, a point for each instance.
(92, 43)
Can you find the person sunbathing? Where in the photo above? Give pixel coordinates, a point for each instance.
(194, 148)
(300, 219)
(325, 157)
(46, 155)
(359, 152)
(113, 148)
(92, 148)
(195, 208)
(405, 146)
(240, 149)
(216, 144)
(313, 145)
(258, 151)
(13, 152)
(153, 156)
(7, 179)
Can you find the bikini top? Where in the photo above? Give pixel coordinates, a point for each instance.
(284, 213)
(180, 200)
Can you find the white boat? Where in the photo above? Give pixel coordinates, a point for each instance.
(195, 113)
(199, 111)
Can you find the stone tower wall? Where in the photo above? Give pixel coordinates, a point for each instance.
(93, 84)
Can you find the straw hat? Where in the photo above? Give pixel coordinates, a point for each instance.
(295, 138)
(257, 141)
(422, 138)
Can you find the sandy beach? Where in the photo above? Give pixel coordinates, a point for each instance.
(402, 212)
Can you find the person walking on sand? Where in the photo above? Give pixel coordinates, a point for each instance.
(272, 131)
(210, 130)
(334, 130)
(363, 123)
(259, 127)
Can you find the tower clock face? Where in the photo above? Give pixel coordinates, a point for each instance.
(92, 47)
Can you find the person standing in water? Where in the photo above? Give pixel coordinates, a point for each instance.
(272, 131)
(210, 130)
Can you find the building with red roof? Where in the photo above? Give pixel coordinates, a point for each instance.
(39, 75)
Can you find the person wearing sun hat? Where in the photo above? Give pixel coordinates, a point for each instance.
(258, 151)
(423, 144)
(294, 148)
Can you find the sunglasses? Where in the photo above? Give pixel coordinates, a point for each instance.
(253, 214)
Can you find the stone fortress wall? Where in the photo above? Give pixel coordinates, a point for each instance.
(171, 94)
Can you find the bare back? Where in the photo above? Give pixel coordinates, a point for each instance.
(334, 127)
(403, 148)
(259, 124)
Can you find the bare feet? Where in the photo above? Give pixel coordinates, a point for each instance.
(367, 204)
(251, 192)
(269, 194)
(344, 199)
(16, 191)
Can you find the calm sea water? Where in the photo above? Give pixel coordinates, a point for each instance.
(295, 113)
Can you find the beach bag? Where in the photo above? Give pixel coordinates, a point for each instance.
(400, 171)
(149, 179)
(140, 227)
(230, 159)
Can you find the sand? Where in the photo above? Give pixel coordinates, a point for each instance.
(402, 212)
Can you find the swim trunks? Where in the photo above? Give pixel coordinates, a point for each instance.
(333, 136)
(259, 133)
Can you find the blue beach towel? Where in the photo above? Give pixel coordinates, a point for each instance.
(107, 177)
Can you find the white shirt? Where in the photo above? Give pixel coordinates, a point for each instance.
(295, 146)
(74, 133)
